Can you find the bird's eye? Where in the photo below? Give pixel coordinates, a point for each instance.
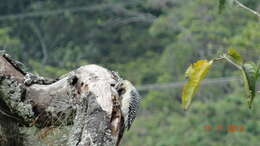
(121, 91)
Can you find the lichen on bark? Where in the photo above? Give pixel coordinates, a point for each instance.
(84, 99)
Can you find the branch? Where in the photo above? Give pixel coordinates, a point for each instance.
(246, 8)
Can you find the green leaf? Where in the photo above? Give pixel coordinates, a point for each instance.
(195, 73)
(258, 71)
(250, 74)
(235, 56)
(221, 5)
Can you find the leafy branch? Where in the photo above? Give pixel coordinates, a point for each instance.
(198, 71)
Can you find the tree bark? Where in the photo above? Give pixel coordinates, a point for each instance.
(84, 98)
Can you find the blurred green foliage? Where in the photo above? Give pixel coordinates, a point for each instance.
(175, 128)
(148, 41)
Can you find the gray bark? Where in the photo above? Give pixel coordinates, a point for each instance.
(84, 98)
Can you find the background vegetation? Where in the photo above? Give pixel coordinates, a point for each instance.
(147, 42)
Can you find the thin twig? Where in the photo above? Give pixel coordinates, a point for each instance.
(219, 59)
(232, 62)
(245, 7)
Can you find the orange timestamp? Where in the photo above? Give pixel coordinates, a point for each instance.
(228, 128)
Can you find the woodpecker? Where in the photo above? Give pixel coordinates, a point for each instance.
(130, 99)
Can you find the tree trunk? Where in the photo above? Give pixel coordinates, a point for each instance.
(84, 98)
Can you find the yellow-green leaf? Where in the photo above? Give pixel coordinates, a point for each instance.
(188, 71)
(195, 73)
(235, 56)
(250, 73)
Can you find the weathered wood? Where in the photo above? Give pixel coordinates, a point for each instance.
(8, 69)
(85, 97)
